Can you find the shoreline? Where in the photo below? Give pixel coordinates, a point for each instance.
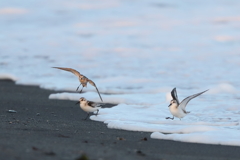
(46, 128)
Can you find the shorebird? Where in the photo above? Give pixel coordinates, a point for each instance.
(82, 79)
(178, 109)
(88, 106)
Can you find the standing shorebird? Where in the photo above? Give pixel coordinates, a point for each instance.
(178, 109)
(82, 79)
(88, 106)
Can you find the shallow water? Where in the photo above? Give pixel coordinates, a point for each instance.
(136, 52)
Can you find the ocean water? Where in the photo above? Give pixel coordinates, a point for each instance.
(136, 52)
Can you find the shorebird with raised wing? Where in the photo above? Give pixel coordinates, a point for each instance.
(88, 106)
(178, 109)
(82, 79)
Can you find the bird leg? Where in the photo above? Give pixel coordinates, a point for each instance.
(87, 116)
(170, 118)
(97, 112)
(81, 90)
(78, 86)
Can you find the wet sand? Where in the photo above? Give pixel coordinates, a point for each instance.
(54, 129)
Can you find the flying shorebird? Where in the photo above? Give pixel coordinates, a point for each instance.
(82, 79)
(178, 109)
(88, 106)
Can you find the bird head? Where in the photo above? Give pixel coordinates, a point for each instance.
(81, 100)
(172, 102)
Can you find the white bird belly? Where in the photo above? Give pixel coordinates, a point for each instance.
(177, 112)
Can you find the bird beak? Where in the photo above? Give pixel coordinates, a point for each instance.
(169, 105)
(78, 102)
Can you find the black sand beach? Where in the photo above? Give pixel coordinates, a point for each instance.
(54, 129)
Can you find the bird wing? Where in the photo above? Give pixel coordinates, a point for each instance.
(93, 84)
(91, 104)
(184, 102)
(174, 95)
(69, 70)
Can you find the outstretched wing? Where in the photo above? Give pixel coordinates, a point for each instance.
(93, 84)
(69, 70)
(184, 102)
(174, 95)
